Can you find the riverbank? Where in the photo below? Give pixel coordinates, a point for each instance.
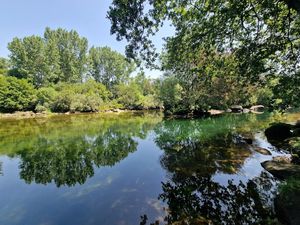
(31, 114)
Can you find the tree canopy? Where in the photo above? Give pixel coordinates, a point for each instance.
(58, 56)
(109, 67)
(263, 36)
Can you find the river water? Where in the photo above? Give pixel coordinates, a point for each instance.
(136, 168)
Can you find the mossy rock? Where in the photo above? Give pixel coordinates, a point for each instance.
(279, 132)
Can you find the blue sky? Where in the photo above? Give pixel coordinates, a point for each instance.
(19, 18)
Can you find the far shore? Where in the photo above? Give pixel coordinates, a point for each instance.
(31, 114)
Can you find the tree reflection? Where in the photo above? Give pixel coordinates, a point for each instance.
(69, 157)
(188, 149)
(198, 197)
(1, 173)
(70, 161)
(191, 159)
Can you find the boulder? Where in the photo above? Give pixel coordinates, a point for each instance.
(246, 110)
(236, 108)
(257, 108)
(297, 125)
(215, 112)
(279, 132)
(262, 151)
(281, 170)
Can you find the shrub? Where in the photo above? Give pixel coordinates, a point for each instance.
(40, 108)
(85, 103)
(46, 97)
(62, 102)
(16, 95)
(128, 95)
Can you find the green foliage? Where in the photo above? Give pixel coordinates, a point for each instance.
(4, 66)
(67, 55)
(128, 95)
(262, 36)
(290, 188)
(16, 94)
(150, 102)
(109, 67)
(65, 97)
(60, 56)
(171, 94)
(46, 97)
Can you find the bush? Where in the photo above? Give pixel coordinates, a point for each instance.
(16, 95)
(62, 102)
(40, 108)
(128, 95)
(46, 97)
(86, 97)
(85, 103)
(149, 102)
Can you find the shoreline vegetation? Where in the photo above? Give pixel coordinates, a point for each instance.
(59, 73)
(212, 112)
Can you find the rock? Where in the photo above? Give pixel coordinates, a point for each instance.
(297, 125)
(236, 108)
(257, 108)
(215, 112)
(281, 170)
(249, 141)
(246, 110)
(228, 110)
(262, 151)
(282, 159)
(296, 132)
(279, 132)
(239, 139)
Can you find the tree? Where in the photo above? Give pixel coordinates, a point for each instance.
(69, 52)
(59, 56)
(4, 66)
(28, 59)
(263, 35)
(109, 67)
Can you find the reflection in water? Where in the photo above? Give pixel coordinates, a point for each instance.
(198, 198)
(188, 148)
(170, 176)
(191, 158)
(70, 161)
(69, 157)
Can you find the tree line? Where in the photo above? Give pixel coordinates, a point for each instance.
(59, 73)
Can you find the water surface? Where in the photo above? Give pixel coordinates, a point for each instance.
(135, 169)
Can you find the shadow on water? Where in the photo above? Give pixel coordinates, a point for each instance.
(196, 150)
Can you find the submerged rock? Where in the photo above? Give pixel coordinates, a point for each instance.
(281, 170)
